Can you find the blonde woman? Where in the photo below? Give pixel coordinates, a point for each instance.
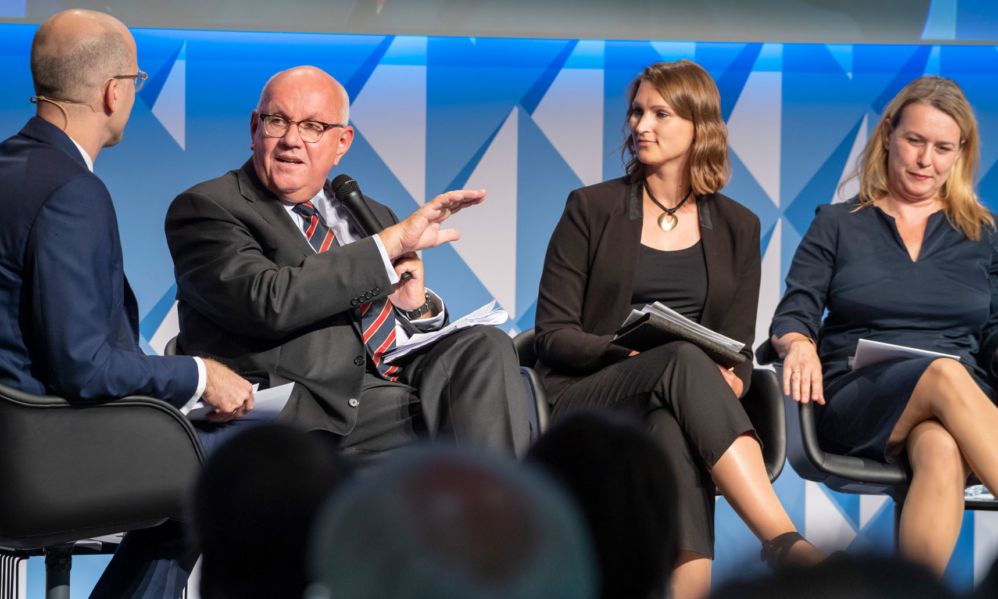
(664, 233)
(911, 261)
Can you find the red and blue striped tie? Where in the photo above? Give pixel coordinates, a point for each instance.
(377, 319)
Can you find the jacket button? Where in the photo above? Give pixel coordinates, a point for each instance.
(354, 302)
(353, 402)
(377, 290)
(358, 361)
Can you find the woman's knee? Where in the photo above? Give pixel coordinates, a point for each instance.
(946, 383)
(932, 450)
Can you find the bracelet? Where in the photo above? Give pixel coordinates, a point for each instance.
(414, 314)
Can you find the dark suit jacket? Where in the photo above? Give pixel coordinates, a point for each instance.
(586, 287)
(255, 295)
(69, 321)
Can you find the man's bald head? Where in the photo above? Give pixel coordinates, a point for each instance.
(308, 78)
(76, 51)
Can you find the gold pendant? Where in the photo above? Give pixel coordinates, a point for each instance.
(667, 222)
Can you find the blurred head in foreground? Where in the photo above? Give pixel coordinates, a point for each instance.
(254, 504)
(441, 524)
(626, 490)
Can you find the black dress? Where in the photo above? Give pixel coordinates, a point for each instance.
(855, 265)
(676, 389)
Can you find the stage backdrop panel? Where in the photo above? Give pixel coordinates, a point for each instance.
(529, 120)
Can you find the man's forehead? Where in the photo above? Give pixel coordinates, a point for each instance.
(300, 102)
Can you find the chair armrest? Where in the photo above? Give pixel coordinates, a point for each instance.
(72, 470)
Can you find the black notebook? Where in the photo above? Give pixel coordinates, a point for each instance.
(657, 324)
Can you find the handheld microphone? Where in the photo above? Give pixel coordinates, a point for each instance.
(348, 192)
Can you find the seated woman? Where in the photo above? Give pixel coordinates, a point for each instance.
(911, 261)
(664, 233)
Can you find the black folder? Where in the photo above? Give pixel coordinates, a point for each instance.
(649, 331)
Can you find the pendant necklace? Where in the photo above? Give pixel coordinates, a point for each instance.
(668, 220)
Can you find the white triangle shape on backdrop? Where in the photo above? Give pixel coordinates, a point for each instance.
(824, 524)
(488, 231)
(390, 110)
(769, 286)
(869, 507)
(571, 116)
(851, 187)
(168, 329)
(754, 129)
(171, 105)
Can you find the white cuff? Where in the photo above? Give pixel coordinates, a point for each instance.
(202, 383)
(389, 268)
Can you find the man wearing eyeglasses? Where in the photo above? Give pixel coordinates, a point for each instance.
(275, 275)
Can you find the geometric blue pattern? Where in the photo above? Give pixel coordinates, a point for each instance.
(535, 119)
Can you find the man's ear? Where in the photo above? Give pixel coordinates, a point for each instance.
(111, 96)
(343, 143)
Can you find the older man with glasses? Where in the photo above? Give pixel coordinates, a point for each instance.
(277, 274)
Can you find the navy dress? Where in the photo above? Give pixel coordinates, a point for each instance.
(855, 266)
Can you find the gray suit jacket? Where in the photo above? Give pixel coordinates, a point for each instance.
(254, 295)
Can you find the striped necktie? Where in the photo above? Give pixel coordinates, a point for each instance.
(377, 319)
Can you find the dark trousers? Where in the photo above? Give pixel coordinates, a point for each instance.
(466, 388)
(690, 410)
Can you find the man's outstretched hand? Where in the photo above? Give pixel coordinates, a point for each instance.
(421, 229)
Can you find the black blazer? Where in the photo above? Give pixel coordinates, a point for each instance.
(586, 287)
(255, 295)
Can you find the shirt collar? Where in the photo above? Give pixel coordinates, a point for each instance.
(86, 157)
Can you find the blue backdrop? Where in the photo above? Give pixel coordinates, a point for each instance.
(529, 120)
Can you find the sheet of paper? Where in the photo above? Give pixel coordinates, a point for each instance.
(486, 315)
(870, 352)
(662, 311)
(267, 404)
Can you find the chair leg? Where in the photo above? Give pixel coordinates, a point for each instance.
(58, 562)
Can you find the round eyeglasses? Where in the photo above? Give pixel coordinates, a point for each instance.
(277, 125)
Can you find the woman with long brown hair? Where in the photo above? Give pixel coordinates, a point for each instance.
(664, 233)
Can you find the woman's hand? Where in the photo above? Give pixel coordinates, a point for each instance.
(801, 368)
(732, 380)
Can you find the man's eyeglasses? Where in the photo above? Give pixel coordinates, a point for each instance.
(140, 79)
(276, 125)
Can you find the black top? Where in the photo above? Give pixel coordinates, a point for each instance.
(586, 287)
(676, 278)
(855, 265)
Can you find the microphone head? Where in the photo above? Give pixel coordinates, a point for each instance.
(344, 185)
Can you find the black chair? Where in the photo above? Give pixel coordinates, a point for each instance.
(846, 474)
(763, 403)
(71, 471)
(540, 417)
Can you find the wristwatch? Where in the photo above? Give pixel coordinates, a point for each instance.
(425, 308)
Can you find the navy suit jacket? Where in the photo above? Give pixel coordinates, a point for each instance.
(68, 319)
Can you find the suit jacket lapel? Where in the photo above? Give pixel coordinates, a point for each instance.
(715, 269)
(270, 208)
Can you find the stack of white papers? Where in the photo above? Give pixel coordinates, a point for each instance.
(267, 404)
(870, 352)
(666, 313)
(487, 315)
